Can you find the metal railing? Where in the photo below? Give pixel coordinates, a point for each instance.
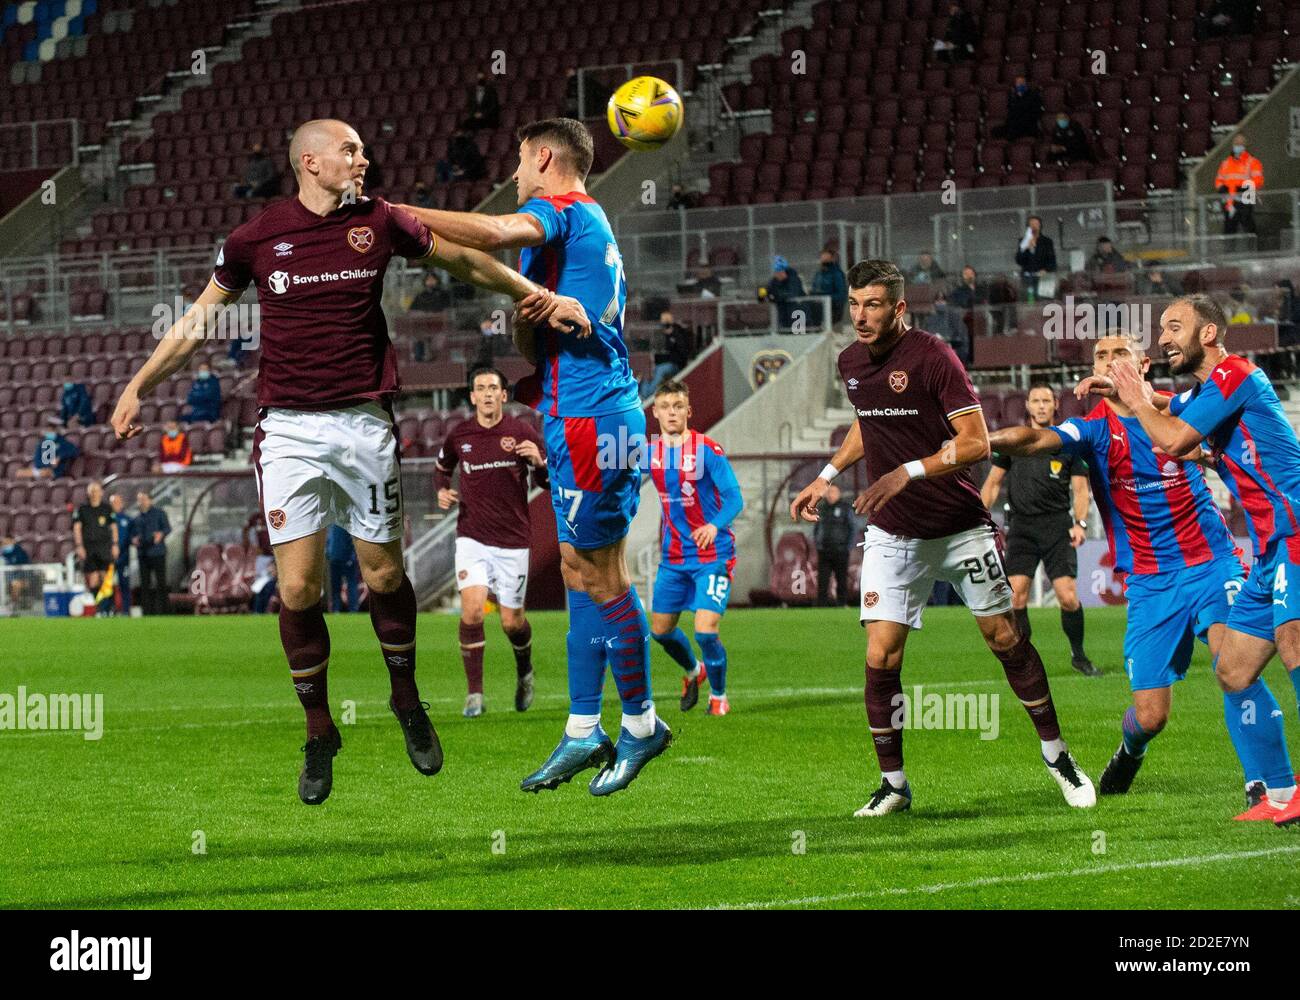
(48, 143)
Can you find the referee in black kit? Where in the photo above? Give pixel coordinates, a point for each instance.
(1041, 489)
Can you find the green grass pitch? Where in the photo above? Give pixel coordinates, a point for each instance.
(202, 733)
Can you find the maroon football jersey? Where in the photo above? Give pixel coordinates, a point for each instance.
(905, 403)
(493, 480)
(319, 283)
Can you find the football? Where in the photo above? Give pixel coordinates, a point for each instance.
(644, 113)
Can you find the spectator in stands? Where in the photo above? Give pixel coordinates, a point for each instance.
(464, 161)
(1154, 281)
(491, 341)
(926, 270)
(203, 404)
(1024, 110)
(830, 280)
(95, 535)
(675, 356)
(1238, 307)
(484, 106)
(705, 284)
(12, 553)
(174, 453)
(970, 293)
(1286, 310)
(1106, 259)
(149, 533)
(960, 36)
(785, 289)
(75, 404)
(54, 453)
(833, 534)
(261, 179)
(1068, 142)
(683, 199)
(264, 585)
(341, 554)
(122, 564)
(948, 324)
(1036, 256)
(422, 196)
(433, 297)
(1239, 180)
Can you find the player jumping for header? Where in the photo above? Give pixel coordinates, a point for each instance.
(700, 498)
(325, 450)
(921, 428)
(497, 454)
(1236, 411)
(595, 444)
(1167, 534)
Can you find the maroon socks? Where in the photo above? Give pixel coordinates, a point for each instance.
(306, 643)
(393, 618)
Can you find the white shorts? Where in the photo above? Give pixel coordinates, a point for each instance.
(899, 573)
(503, 571)
(332, 467)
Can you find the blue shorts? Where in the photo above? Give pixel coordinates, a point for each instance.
(595, 466)
(1167, 610)
(704, 587)
(1269, 599)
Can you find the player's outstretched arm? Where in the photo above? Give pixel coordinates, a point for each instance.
(173, 353)
(969, 445)
(482, 232)
(535, 303)
(849, 452)
(1024, 441)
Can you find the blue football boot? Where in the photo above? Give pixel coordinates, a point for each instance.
(569, 758)
(630, 756)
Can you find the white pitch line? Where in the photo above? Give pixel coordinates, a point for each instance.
(1203, 859)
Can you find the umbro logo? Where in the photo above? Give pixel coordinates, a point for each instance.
(853, 383)
(283, 249)
(466, 447)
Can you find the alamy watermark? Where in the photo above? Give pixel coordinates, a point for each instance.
(1070, 320)
(240, 321)
(35, 711)
(952, 710)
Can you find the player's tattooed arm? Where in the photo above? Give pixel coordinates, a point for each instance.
(173, 353)
(969, 445)
(482, 232)
(850, 452)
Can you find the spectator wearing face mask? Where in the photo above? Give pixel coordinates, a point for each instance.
(830, 281)
(54, 453)
(75, 404)
(1106, 259)
(1068, 142)
(174, 453)
(675, 356)
(1024, 110)
(204, 400)
(1240, 179)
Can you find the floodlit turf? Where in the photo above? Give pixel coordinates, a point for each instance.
(202, 733)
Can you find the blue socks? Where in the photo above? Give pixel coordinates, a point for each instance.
(1254, 723)
(628, 634)
(677, 646)
(715, 661)
(586, 644)
(1135, 737)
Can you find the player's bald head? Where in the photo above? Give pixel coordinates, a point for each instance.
(315, 137)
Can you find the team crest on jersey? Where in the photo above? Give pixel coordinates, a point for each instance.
(898, 381)
(276, 518)
(688, 463)
(507, 443)
(361, 238)
(870, 599)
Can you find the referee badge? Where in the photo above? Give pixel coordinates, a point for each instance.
(1057, 466)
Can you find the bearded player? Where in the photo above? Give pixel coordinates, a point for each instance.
(498, 455)
(921, 429)
(1236, 411)
(699, 497)
(595, 444)
(325, 450)
(1167, 535)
